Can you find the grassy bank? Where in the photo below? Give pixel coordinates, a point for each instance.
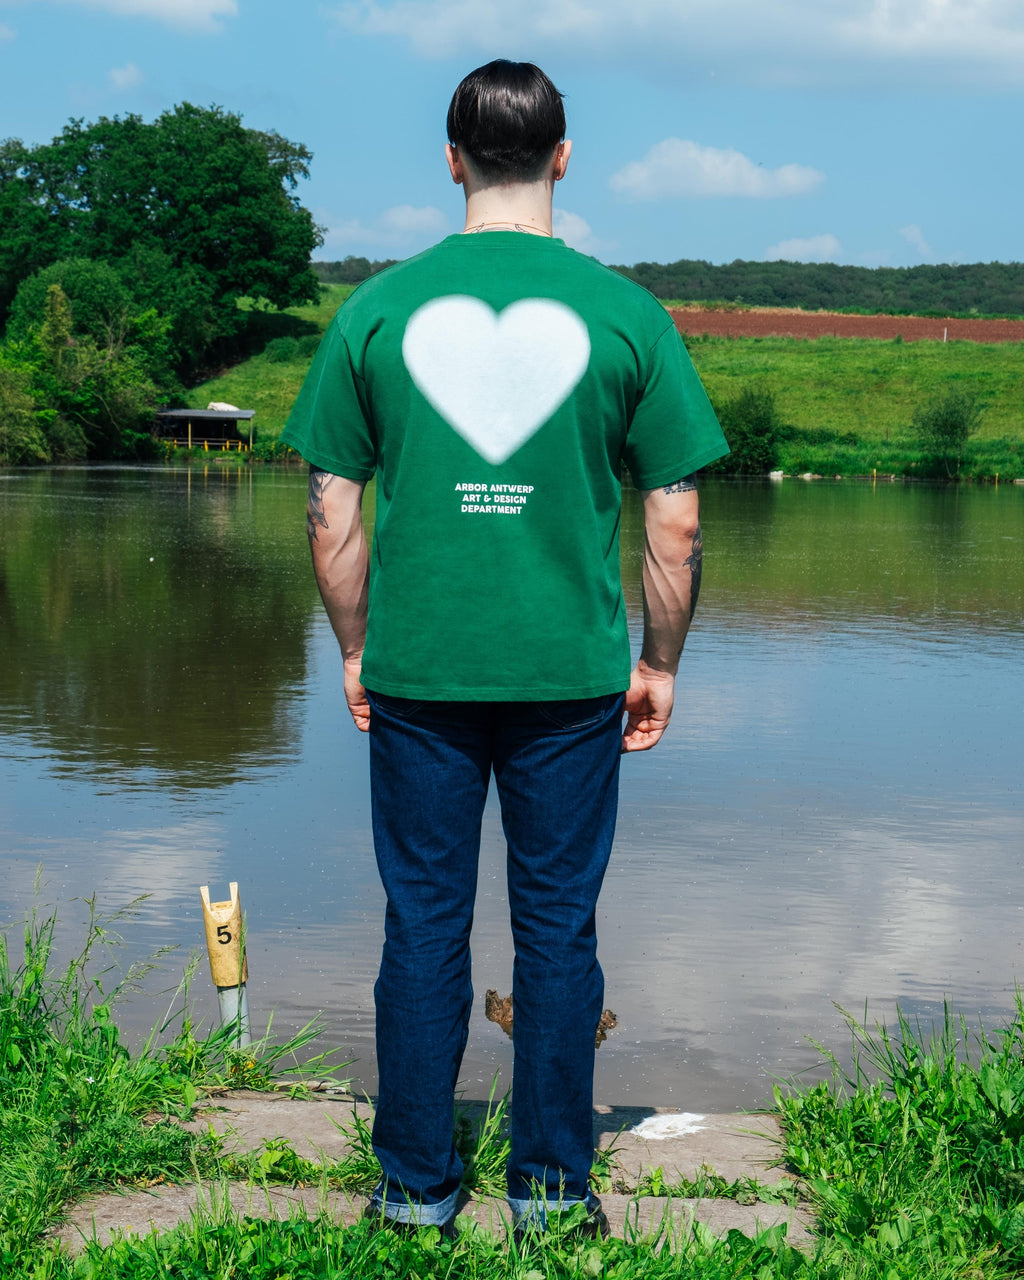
(850, 402)
(847, 403)
(914, 1164)
(266, 383)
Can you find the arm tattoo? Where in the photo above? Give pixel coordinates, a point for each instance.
(318, 482)
(695, 561)
(688, 484)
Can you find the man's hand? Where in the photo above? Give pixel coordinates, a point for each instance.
(648, 707)
(355, 694)
(673, 551)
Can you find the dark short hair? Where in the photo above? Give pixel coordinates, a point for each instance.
(508, 118)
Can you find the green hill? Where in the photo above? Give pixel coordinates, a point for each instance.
(270, 381)
(847, 403)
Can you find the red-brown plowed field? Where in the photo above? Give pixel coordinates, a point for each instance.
(782, 323)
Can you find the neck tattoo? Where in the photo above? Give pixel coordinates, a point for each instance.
(508, 226)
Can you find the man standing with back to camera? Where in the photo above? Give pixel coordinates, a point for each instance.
(495, 385)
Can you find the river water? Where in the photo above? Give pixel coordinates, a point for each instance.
(835, 818)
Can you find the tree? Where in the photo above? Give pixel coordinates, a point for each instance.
(943, 428)
(101, 306)
(22, 438)
(205, 204)
(86, 395)
(94, 290)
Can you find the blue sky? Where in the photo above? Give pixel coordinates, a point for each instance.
(872, 132)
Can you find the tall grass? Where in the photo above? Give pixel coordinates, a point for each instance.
(915, 1159)
(77, 1111)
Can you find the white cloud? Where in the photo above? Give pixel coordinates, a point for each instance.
(190, 15)
(400, 230)
(126, 77)
(787, 42)
(407, 220)
(915, 237)
(935, 28)
(576, 233)
(678, 167)
(6, 32)
(823, 248)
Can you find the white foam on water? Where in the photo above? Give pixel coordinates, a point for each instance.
(677, 1125)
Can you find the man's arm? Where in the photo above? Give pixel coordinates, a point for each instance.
(342, 567)
(673, 558)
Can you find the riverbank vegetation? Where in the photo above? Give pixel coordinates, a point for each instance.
(912, 1162)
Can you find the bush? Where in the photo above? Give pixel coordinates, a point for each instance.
(943, 427)
(752, 426)
(309, 345)
(281, 350)
(272, 451)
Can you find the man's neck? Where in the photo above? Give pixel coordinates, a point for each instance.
(521, 206)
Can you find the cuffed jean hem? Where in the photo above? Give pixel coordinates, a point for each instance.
(534, 1212)
(420, 1215)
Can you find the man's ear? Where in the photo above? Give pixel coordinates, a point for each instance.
(455, 165)
(562, 154)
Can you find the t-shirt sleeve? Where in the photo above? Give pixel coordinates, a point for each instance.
(330, 423)
(674, 431)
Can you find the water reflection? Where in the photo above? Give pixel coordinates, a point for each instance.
(156, 620)
(836, 816)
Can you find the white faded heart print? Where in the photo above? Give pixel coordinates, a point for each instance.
(496, 378)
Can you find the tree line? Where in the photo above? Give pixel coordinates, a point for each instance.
(991, 288)
(125, 248)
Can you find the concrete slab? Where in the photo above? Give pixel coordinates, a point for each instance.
(315, 1127)
(733, 1146)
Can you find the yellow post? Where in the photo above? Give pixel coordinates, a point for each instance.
(228, 965)
(223, 920)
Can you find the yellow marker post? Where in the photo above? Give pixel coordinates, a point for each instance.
(228, 965)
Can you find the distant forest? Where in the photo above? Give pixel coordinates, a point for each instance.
(982, 288)
(350, 270)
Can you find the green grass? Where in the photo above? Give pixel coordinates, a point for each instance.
(849, 403)
(869, 388)
(913, 1160)
(918, 1151)
(221, 1247)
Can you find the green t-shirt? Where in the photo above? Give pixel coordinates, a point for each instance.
(495, 385)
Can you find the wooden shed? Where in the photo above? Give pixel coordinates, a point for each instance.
(210, 428)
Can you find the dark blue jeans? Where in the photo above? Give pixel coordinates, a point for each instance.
(556, 768)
